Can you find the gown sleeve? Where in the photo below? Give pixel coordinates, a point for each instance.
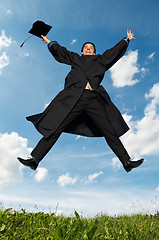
(111, 56)
(61, 54)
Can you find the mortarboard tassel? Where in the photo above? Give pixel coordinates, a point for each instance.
(25, 41)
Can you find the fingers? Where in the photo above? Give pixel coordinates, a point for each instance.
(130, 35)
(129, 32)
(44, 38)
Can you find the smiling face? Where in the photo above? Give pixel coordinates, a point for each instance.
(88, 49)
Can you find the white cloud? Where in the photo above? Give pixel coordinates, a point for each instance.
(41, 174)
(151, 56)
(11, 146)
(144, 71)
(24, 55)
(123, 72)
(116, 164)
(9, 12)
(64, 180)
(74, 41)
(78, 136)
(92, 177)
(157, 189)
(4, 61)
(151, 108)
(143, 136)
(4, 40)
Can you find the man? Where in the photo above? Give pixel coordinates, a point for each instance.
(83, 107)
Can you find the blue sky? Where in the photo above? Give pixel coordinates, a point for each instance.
(79, 173)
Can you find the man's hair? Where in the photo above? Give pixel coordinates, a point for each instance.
(89, 43)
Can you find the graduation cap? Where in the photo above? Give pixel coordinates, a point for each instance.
(38, 28)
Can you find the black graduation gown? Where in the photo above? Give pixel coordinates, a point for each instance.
(83, 68)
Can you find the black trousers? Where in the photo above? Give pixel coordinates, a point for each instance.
(91, 105)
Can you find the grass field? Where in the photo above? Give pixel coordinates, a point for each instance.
(16, 225)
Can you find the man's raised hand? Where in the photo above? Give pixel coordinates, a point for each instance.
(45, 39)
(130, 35)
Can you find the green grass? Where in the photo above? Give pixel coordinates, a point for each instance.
(18, 225)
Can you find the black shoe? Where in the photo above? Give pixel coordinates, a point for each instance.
(133, 164)
(29, 162)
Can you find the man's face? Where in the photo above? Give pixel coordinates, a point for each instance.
(88, 49)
